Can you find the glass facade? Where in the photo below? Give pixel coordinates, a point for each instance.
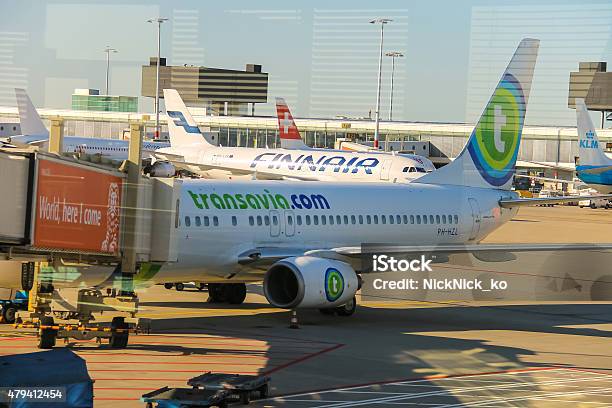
(105, 103)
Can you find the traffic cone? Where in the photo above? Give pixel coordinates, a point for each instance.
(293, 324)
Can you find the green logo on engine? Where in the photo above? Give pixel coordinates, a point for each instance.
(334, 284)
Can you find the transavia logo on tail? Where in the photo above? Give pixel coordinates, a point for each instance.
(334, 284)
(497, 135)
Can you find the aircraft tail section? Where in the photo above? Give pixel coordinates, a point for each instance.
(182, 128)
(30, 122)
(289, 135)
(488, 160)
(589, 148)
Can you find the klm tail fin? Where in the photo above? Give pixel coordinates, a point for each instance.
(489, 157)
(31, 124)
(589, 149)
(182, 129)
(289, 135)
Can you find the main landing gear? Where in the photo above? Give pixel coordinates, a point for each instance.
(232, 293)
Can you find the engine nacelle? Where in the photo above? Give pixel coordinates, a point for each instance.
(161, 169)
(310, 282)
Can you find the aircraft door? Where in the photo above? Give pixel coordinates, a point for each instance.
(289, 223)
(475, 218)
(385, 169)
(275, 226)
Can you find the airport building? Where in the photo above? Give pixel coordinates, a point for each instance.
(91, 100)
(221, 91)
(445, 140)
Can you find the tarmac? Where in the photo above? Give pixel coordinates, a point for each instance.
(390, 353)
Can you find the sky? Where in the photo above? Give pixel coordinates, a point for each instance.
(322, 56)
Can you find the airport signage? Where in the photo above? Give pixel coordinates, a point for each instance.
(77, 209)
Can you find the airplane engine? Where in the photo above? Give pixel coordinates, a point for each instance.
(310, 282)
(161, 169)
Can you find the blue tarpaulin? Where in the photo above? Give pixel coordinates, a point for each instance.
(59, 368)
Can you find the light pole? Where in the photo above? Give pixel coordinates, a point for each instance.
(393, 55)
(108, 51)
(159, 22)
(382, 22)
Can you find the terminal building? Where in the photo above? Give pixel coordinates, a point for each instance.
(220, 99)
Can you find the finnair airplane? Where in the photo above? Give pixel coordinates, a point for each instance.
(594, 167)
(34, 132)
(295, 161)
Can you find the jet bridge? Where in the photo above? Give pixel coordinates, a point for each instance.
(64, 223)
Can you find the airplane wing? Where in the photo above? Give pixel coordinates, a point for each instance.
(522, 202)
(262, 258)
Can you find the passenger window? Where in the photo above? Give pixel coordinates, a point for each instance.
(456, 219)
(266, 219)
(431, 219)
(299, 220)
(361, 219)
(290, 220)
(206, 221)
(259, 221)
(424, 219)
(216, 221)
(450, 219)
(412, 219)
(346, 219)
(323, 220)
(437, 219)
(198, 221)
(315, 219)
(368, 219)
(383, 219)
(376, 219)
(391, 219)
(234, 220)
(443, 219)
(353, 220)
(338, 220)
(251, 220)
(187, 222)
(418, 217)
(405, 217)
(331, 220)
(308, 220)
(274, 220)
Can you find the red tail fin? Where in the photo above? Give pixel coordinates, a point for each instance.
(289, 134)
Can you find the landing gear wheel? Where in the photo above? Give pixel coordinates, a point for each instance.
(179, 286)
(168, 285)
(216, 294)
(235, 293)
(245, 398)
(201, 286)
(348, 308)
(119, 339)
(327, 312)
(46, 336)
(8, 314)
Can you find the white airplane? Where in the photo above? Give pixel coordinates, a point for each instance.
(35, 133)
(296, 161)
(304, 240)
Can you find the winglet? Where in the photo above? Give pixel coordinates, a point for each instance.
(289, 135)
(182, 128)
(31, 124)
(488, 160)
